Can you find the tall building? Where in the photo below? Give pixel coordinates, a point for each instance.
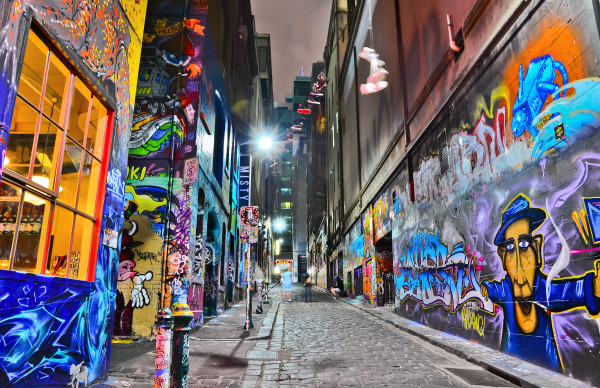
(289, 186)
(462, 181)
(67, 92)
(316, 178)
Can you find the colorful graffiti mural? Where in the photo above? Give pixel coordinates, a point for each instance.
(57, 332)
(502, 247)
(161, 212)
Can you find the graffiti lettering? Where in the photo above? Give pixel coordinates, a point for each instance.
(473, 321)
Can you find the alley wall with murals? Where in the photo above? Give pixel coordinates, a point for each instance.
(57, 331)
(160, 245)
(495, 235)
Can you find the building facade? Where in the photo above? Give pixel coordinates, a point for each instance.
(195, 97)
(68, 83)
(466, 192)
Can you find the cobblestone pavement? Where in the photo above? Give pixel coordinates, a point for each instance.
(329, 343)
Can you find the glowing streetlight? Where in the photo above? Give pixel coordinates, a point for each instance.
(279, 225)
(265, 142)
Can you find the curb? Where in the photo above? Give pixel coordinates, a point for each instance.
(266, 329)
(510, 368)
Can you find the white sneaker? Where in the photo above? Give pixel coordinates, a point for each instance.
(377, 76)
(370, 88)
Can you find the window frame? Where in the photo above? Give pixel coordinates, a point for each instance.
(52, 196)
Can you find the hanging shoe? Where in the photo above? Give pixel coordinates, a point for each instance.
(377, 76)
(366, 53)
(315, 102)
(370, 88)
(304, 111)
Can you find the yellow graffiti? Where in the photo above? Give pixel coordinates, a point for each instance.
(499, 94)
(144, 202)
(579, 225)
(472, 321)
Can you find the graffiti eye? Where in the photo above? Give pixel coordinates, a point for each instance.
(523, 244)
(510, 247)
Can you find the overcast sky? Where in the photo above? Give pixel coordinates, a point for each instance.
(298, 31)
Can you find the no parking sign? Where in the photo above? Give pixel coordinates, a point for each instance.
(190, 171)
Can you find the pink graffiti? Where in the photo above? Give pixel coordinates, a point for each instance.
(126, 270)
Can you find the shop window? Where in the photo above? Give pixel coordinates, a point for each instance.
(286, 205)
(50, 190)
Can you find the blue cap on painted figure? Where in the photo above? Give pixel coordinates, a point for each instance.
(519, 208)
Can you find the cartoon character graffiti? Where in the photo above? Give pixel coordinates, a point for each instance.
(522, 292)
(534, 89)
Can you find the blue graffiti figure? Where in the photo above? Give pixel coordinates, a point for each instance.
(534, 88)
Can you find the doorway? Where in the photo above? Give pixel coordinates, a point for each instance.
(358, 281)
(384, 267)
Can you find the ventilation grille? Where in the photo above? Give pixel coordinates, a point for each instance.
(459, 39)
(443, 152)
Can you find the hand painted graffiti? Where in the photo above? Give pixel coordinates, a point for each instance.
(473, 321)
(155, 136)
(534, 89)
(79, 374)
(569, 119)
(449, 285)
(524, 294)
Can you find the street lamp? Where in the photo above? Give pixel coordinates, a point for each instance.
(265, 142)
(279, 225)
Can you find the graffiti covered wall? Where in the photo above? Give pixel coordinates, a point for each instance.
(159, 239)
(69, 321)
(502, 247)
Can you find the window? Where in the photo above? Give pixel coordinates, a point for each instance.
(286, 205)
(50, 192)
(286, 192)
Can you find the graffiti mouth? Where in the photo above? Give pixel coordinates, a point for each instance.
(525, 304)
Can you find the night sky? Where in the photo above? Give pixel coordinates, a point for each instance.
(298, 31)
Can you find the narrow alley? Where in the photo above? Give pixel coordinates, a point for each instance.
(328, 343)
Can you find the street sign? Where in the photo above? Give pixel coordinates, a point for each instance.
(250, 215)
(190, 171)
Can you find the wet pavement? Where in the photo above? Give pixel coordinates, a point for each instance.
(330, 343)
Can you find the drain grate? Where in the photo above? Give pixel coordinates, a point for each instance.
(262, 354)
(479, 377)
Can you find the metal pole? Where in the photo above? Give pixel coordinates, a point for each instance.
(164, 324)
(248, 324)
(182, 317)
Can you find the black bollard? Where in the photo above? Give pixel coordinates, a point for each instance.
(164, 325)
(182, 316)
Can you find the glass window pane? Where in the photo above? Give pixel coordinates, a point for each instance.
(34, 65)
(44, 170)
(97, 128)
(20, 139)
(90, 174)
(60, 240)
(10, 197)
(69, 177)
(80, 253)
(78, 116)
(56, 89)
(30, 244)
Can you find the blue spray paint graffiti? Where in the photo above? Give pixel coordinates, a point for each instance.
(534, 88)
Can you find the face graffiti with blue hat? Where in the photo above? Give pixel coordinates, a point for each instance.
(521, 254)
